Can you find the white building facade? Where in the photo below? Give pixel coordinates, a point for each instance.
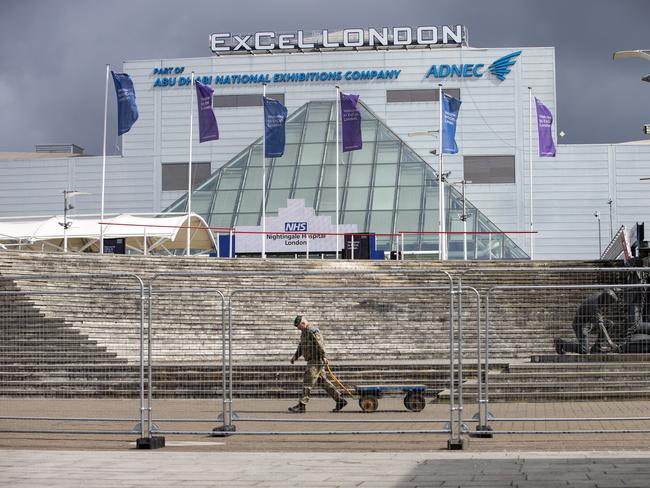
(399, 85)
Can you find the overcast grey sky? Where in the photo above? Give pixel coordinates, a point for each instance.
(54, 53)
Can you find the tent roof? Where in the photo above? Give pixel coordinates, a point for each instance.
(169, 229)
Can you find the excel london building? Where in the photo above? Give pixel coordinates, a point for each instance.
(390, 185)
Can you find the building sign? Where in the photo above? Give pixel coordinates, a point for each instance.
(225, 42)
(175, 76)
(295, 228)
(115, 246)
(499, 69)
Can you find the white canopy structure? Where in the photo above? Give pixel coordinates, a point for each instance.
(160, 235)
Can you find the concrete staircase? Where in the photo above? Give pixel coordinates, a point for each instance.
(374, 335)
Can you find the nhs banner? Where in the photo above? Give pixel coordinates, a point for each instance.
(291, 230)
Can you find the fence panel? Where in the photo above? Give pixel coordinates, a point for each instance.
(387, 339)
(71, 354)
(563, 350)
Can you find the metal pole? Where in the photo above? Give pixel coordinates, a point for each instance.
(264, 178)
(611, 224)
(65, 220)
(402, 243)
(464, 219)
(101, 226)
(442, 238)
(600, 244)
(530, 169)
(189, 169)
(352, 247)
(338, 115)
(144, 241)
(307, 256)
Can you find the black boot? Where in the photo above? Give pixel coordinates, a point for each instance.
(300, 408)
(340, 403)
(559, 345)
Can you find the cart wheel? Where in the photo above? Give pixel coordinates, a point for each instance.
(414, 402)
(368, 404)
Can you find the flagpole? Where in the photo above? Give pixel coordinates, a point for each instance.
(101, 217)
(264, 176)
(338, 114)
(530, 168)
(189, 170)
(442, 239)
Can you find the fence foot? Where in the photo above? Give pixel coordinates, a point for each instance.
(483, 432)
(223, 431)
(455, 445)
(154, 442)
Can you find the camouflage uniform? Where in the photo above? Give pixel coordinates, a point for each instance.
(312, 348)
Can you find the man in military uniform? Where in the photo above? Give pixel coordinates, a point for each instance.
(312, 348)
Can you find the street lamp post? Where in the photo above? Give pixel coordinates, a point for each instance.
(600, 242)
(67, 194)
(462, 216)
(611, 224)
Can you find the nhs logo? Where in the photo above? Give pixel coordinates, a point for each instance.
(295, 226)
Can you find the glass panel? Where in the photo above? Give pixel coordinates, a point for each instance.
(319, 111)
(365, 155)
(255, 158)
(254, 178)
(308, 176)
(357, 199)
(230, 179)
(388, 152)
(411, 174)
(315, 132)
(408, 156)
(251, 201)
(408, 220)
(368, 130)
(360, 175)
(299, 116)
(312, 153)
(247, 219)
(289, 156)
(384, 134)
(307, 194)
(330, 155)
(410, 197)
(381, 222)
(282, 177)
(221, 220)
(209, 185)
(329, 176)
(386, 175)
(225, 201)
(276, 199)
(293, 133)
(383, 198)
(355, 217)
(327, 200)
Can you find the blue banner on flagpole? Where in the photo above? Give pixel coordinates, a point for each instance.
(350, 123)
(275, 116)
(127, 110)
(208, 129)
(450, 109)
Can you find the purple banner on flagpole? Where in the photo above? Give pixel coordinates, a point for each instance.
(350, 123)
(208, 130)
(545, 130)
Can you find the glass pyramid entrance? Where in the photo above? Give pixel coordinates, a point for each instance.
(385, 188)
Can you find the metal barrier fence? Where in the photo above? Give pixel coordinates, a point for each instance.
(67, 369)
(558, 337)
(258, 341)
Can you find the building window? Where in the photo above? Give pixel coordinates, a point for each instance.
(174, 175)
(489, 169)
(243, 100)
(428, 95)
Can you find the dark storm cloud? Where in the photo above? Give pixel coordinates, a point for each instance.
(54, 53)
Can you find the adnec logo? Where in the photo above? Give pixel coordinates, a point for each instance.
(499, 69)
(295, 226)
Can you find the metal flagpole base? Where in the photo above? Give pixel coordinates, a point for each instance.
(455, 445)
(153, 442)
(223, 431)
